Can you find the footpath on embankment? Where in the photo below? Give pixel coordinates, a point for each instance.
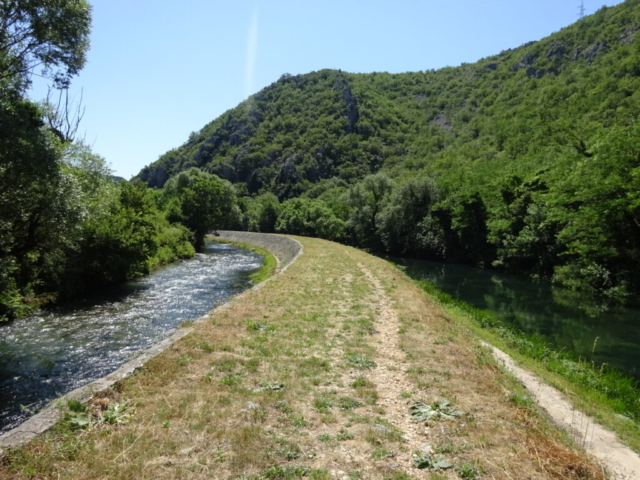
(338, 368)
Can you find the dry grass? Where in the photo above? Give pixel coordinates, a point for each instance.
(287, 383)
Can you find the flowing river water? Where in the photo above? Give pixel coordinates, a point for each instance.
(63, 348)
(568, 320)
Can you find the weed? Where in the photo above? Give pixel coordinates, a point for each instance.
(115, 414)
(207, 347)
(264, 386)
(80, 417)
(260, 326)
(345, 435)
(298, 421)
(288, 450)
(396, 476)
(468, 470)
(283, 406)
(324, 437)
(360, 382)
(380, 453)
(226, 365)
(522, 401)
(184, 360)
(446, 448)
(359, 419)
(231, 380)
(359, 361)
(442, 409)
(430, 462)
(323, 404)
(347, 403)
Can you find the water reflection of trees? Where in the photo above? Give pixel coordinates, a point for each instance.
(567, 319)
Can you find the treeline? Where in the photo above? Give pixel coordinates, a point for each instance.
(66, 225)
(578, 225)
(525, 160)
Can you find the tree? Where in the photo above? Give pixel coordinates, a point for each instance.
(365, 200)
(202, 202)
(51, 34)
(401, 222)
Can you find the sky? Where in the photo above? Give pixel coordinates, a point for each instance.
(159, 70)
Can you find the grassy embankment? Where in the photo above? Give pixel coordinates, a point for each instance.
(312, 374)
(605, 394)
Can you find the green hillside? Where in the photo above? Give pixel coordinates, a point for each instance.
(526, 160)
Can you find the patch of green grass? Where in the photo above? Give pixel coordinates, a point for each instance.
(231, 380)
(344, 434)
(522, 401)
(379, 453)
(468, 470)
(392, 475)
(323, 404)
(360, 382)
(314, 366)
(207, 347)
(184, 360)
(347, 403)
(298, 421)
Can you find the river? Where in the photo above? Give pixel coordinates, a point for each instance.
(63, 348)
(566, 319)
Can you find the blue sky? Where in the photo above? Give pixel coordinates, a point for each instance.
(159, 70)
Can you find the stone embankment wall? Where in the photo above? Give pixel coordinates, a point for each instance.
(285, 249)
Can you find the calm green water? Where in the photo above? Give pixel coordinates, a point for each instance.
(56, 351)
(568, 320)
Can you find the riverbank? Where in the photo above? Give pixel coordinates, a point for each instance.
(605, 394)
(340, 367)
(71, 348)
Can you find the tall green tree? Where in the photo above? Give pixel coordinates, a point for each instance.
(49, 35)
(202, 202)
(365, 201)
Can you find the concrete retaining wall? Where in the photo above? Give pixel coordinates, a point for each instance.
(285, 249)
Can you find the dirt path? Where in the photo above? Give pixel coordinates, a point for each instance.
(391, 378)
(601, 443)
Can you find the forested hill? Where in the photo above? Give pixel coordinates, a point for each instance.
(528, 159)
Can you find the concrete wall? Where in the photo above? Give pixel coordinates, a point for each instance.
(285, 249)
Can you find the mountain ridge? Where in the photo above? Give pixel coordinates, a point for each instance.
(525, 160)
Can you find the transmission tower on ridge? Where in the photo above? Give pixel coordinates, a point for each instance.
(582, 10)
